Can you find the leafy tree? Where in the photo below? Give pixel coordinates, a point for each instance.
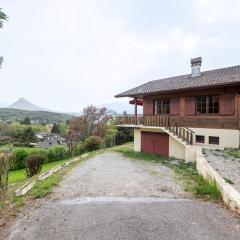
(3, 17)
(26, 121)
(63, 128)
(27, 136)
(110, 135)
(14, 132)
(55, 128)
(124, 135)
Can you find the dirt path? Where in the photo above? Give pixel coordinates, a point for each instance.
(110, 197)
(113, 175)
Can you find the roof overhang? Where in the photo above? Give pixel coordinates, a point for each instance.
(139, 102)
(233, 84)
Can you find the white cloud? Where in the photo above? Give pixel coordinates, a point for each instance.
(212, 11)
(67, 54)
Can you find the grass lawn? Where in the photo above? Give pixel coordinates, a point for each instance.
(20, 175)
(232, 153)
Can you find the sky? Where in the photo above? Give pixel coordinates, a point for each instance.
(66, 54)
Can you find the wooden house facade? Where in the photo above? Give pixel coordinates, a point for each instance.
(201, 109)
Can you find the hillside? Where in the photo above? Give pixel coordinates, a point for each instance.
(8, 114)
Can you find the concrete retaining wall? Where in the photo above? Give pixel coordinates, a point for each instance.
(229, 194)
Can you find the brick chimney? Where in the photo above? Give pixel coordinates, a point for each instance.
(196, 66)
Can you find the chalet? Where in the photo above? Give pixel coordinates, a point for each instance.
(183, 113)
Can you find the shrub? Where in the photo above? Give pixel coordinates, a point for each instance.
(20, 156)
(34, 164)
(6, 160)
(124, 135)
(49, 155)
(79, 149)
(109, 141)
(56, 153)
(92, 143)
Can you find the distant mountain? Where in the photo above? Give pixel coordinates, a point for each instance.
(120, 107)
(23, 104)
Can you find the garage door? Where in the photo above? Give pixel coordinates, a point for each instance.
(156, 143)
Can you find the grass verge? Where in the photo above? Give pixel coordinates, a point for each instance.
(18, 176)
(232, 153)
(185, 172)
(12, 205)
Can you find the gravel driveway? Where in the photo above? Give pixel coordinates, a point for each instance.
(113, 175)
(110, 197)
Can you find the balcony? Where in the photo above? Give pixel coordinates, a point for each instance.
(161, 121)
(153, 121)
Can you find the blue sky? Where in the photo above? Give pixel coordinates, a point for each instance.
(66, 54)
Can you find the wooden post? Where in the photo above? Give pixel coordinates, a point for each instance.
(135, 100)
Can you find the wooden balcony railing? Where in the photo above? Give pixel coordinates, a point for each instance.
(158, 121)
(183, 133)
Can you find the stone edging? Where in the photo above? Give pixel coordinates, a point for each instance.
(29, 185)
(25, 188)
(229, 194)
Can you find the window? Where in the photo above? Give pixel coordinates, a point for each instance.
(157, 106)
(161, 106)
(213, 140)
(207, 104)
(166, 106)
(200, 139)
(213, 105)
(201, 105)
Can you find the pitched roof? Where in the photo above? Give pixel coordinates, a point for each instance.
(51, 141)
(211, 78)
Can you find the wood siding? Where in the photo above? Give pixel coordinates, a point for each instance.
(184, 113)
(227, 105)
(148, 107)
(190, 106)
(174, 106)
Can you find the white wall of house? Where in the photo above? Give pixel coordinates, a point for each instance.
(176, 149)
(227, 138)
(137, 140)
(179, 150)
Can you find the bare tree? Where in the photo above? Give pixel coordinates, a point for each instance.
(6, 160)
(92, 122)
(72, 137)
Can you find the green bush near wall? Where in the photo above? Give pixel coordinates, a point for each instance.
(49, 155)
(60, 152)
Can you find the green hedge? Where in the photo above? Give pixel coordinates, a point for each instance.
(54, 154)
(49, 155)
